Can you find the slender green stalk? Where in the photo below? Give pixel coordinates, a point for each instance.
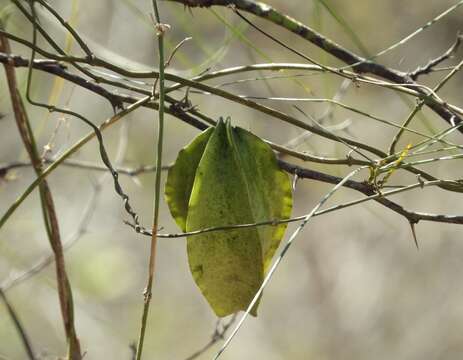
(160, 28)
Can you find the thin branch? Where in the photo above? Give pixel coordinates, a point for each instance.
(160, 32)
(358, 63)
(48, 209)
(47, 260)
(81, 229)
(219, 334)
(175, 110)
(184, 117)
(51, 108)
(18, 325)
(423, 92)
(350, 108)
(371, 192)
(86, 165)
(445, 110)
(264, 109)
(37, 26)
(421, 103)
(66, 155)
(68, 27)
(327, 114)
(56, 68)
(367, 189)
(429, 67)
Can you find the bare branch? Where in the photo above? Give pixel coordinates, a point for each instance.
(429, 67)
(358, 63)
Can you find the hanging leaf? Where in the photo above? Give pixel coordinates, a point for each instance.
(182, 176)
(228, 176)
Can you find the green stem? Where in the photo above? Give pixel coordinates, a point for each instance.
(157, 188)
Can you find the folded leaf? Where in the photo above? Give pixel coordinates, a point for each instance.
(181, 176)
(228, 176)
(269, 188)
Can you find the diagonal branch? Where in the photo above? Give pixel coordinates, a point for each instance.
(56, 68)
(48, 209)
(369, 190)
(359, 64)
(429, 67)
(196, 119)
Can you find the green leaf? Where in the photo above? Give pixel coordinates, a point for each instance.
(236, 181)
(269, 188)
(181, 176)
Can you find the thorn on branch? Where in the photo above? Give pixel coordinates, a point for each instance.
(420, 180)
(412, 225)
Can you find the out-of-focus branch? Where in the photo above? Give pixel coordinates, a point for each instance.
(80, 164)
(48, 209)
(420, 104)
(18, 325)
(66, 155)
(87, 213)
(218, 335)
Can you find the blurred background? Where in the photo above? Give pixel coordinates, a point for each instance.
(353, 286)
